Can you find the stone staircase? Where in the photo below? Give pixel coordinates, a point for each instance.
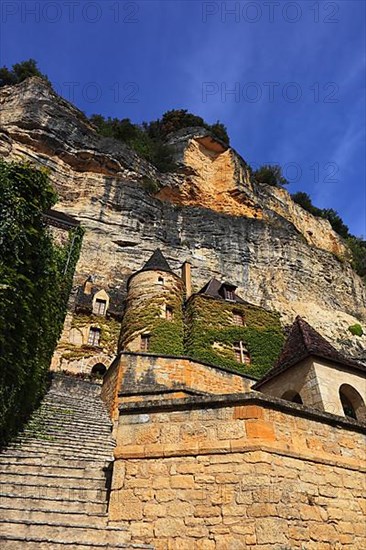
(55, 476)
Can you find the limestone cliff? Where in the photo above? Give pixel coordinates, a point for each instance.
(209, 212)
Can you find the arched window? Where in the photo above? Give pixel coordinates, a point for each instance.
(99, 369)
(352, 403)
(292, 396)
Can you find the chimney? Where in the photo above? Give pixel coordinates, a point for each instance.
(186, 276)
(88, 285)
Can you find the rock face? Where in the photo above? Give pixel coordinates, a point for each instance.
(209, 212)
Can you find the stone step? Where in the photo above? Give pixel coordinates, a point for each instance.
(31, 502)
(64, 405)
(57, 446)
(72, 424)
(92, 424)
(55, 480)
(9, 543)
(27, 468)
(81, 519)
(64, 455)
(53, 491)
(18, 456)
(46, 412)
(36, 460)
(68, 439)
(64, 532)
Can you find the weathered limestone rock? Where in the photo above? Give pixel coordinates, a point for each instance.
(280, 256)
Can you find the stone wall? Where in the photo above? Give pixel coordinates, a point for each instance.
(138, 376)
(149, 293)
(239, 472)
(74, 354)
(318, 382)
(330, 379)
(301, 379)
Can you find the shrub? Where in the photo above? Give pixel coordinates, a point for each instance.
(270, 174)
(19, 72)
(149, 138)
(356, 330)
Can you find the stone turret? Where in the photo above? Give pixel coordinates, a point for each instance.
(153, 319)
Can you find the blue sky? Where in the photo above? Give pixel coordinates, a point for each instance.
(286, 78)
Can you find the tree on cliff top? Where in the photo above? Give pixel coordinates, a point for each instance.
(270, 174)
(177, 119)
(19, 72)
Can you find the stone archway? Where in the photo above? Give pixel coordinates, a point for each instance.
(293, 396)
(352, 403)
(99, 369)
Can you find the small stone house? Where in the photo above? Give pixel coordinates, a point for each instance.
(311, 371)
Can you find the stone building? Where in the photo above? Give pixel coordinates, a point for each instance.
(207, 454)
(89, 339)
(311, 371)
(153, 317)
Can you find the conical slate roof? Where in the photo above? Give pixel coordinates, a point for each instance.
(304, 341)
(157, 262)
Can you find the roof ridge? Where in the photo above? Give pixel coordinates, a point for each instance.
(304, 341)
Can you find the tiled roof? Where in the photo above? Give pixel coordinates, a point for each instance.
(215, 289)
(304, 341)
(157, 262)
(84, 302)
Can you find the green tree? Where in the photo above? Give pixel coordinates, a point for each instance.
(35, 284)
(336, 222)
(270, 174)
(19, 72)
(358, 249)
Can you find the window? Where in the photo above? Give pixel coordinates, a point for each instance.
(94, 336)
(352, 403)
(160, 280)
(145, 342)
(229, 294)
(241, 353)
(100, 306)
(238, 318)
(347, 407)
(292, 396)
(168, 313)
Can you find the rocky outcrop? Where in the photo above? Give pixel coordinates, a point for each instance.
(209, 212)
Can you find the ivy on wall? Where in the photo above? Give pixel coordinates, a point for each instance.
(166, 335)
(35, 283)
(109, 333)
(210, 334)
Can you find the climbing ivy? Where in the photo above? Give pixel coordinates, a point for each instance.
(210, 334)
(36, 277)
(109, 333)
(166, 335)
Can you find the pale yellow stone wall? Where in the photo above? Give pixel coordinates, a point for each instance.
(148, 377)
(301, 379)
(235, 476)
(330, 379)
(318, 383)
